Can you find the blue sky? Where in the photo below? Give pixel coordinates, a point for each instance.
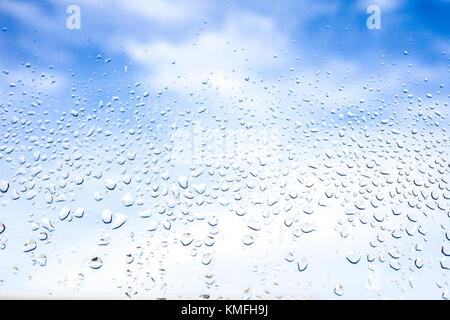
(332, 30)
(307, 90)
(159, 41)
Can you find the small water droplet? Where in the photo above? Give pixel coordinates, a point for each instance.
(186, 239)
(247, 240)
(353, 257)
(302, 264)
(30, 245)
(183, 182)
(95, 263)
(339, 289)
(107, 216)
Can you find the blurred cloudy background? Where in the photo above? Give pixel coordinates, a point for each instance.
(248, 64)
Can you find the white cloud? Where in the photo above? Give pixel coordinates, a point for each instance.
(243, 48)
(160, 11)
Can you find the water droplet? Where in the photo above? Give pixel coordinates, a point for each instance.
(129, 258)
(119, 221)
(186, 239)
(30, 245)
(110, 184)
(183, 182)
(394, 253)
(4, 186)
(339, 289)
(253, 224)
(64, 213)
(445, 263)
(445, 247)
(247, 240)
(127, 200)
(302, 264)
(79, 213)
(353, 257)
(419, 263)
(107, 216)
(95, 263)
(308, 209)
(152, 226)
(206, 259)
(395, 264)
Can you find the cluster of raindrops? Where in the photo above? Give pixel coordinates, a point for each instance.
(226, 195)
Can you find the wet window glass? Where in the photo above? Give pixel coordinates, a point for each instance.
(224, 149)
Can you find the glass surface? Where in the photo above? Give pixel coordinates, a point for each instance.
(224, 149)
